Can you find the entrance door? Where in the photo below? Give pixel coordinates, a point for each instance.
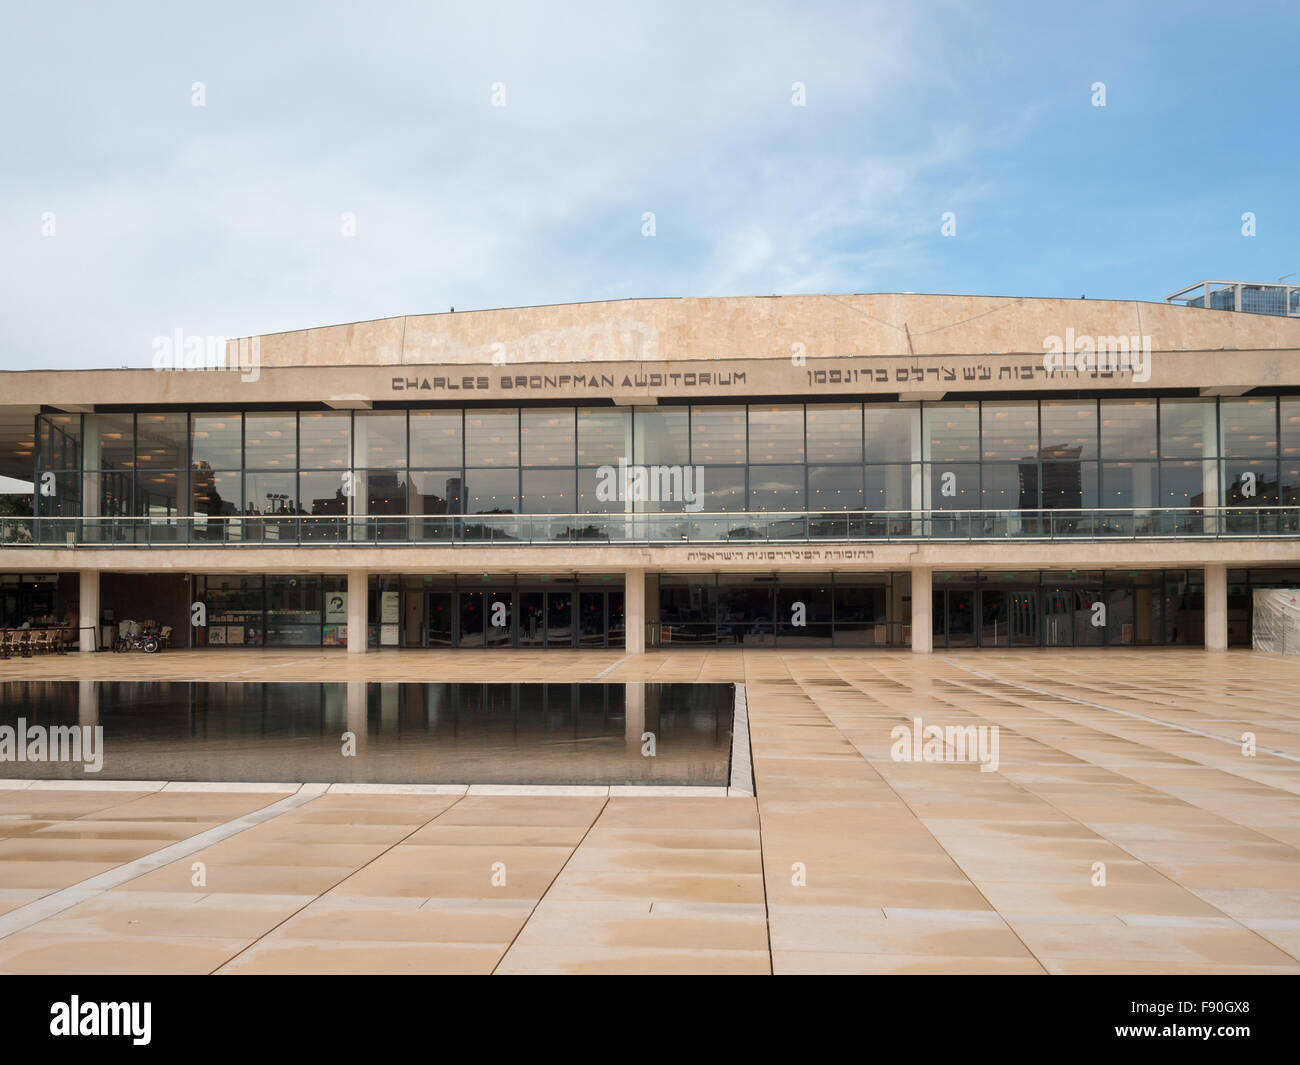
(961, 618)
(591, 619)
(559, 619)
(1023, 618)
(614, 619)
(499, 619)
(532, 619)
(994, 629)
(471, 620)
(439, 625)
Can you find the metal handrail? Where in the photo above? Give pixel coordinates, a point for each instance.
(642, 527)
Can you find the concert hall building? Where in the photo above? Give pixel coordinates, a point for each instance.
(859, 472)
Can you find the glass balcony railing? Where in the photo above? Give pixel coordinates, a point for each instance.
(1174, 523)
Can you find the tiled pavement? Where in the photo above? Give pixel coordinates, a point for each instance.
(847, 861)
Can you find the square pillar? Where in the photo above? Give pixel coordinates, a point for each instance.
(1216, 607)
(634, 611)
(87, 610)
(358, 611)
(922, 623)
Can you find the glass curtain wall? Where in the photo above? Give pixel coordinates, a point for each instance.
(266, 475)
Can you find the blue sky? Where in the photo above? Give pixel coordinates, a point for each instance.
(227, 219)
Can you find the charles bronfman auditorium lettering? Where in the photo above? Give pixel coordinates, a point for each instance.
(579, 382)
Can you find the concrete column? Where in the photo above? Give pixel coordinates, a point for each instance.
(87, 609)
(1216, 607)
(634, 610)
(358, 595)
(88, 702)
(357, 710)
(633, 716)
(922, 624)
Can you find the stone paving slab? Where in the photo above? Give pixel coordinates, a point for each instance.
(1124, 830)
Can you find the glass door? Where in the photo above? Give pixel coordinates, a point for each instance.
(532, 619)
(614, 618)
(470, 630)
(1022, 618)
(438, 632)
(559, 619)
(591, 619)
(994, 630)
(961, 618)
(499, 618)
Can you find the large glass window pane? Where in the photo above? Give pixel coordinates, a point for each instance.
(745, 614)
(604, 435)
(954, 486)
(1128, 429)
(776, 434)
(1069, 485)
(1250, 482)
(835, 488)
(293, 611)
(688, 610)
(271, 493)
(893, 432)
(724, 489)
(380, 438)
(548, 492)
(1290, 427)
(952, 431)
(271, 441)
(547, 436)
(60, 442)
(492, 438)
(597, 494)
(718, 436)
(326, 440)
(384, 491)
(1182, 484)
(834, 432)
(63, 502)
(803, 615)
(217, 493)
(890, 487)
(1069, 429)
(322, 494)
(1248, 427)
(215, 441)
(1187, 429)
(436, 438)
(491, 491)
(1129, 484)
(160, 441)
(159, 493)
(435, 491)
(1009, 486)
(1009, 431)
(111, 439)
(661, 436)
(776, 488)
(861, 614)
(110, 494)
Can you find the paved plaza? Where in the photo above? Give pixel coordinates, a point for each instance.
(1125, 829)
